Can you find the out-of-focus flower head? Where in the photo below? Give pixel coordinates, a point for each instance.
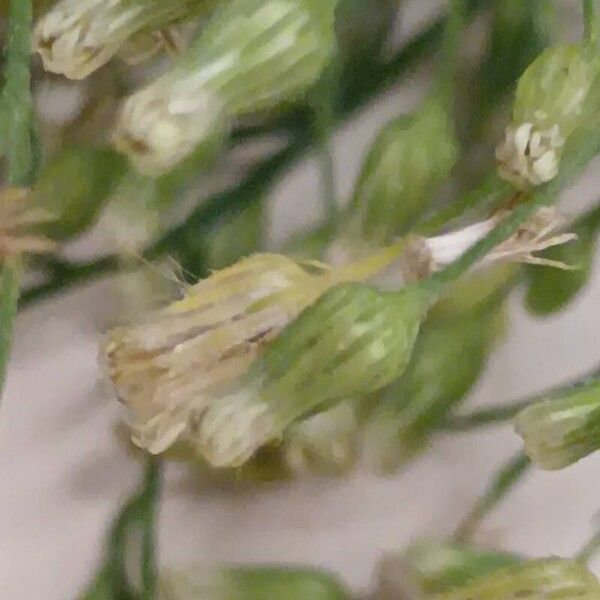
(252, 55)
(76, 37)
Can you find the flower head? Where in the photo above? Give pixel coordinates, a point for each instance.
(76, 37)
(558, 432)
(251, 56)
(553, 97)
(352, 341)
(18, 219)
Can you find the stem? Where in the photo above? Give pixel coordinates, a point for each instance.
(590, 548)
(151, 497)
(444, 84)
(499, 414)
(508, 476)
(590, 21)
(16, 101)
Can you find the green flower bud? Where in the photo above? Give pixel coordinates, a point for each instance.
(76, 37)
(73, 187)
(559, 431)
(556, 578)
(551, 289)
(432, 567)
(253, 55)
(250, 583)
(554, 96)
(352, 341)
(433, 384)
(408, 161)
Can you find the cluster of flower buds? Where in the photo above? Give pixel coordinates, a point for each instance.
(251, 56)
(555, 95)
(559, 431)
(76, 37)
(249, 583)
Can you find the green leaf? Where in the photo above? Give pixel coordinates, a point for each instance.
(9, 296)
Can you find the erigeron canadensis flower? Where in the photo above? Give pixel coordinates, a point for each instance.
(558, 432)
(76, 37)
(172, 364)
(554, 96)
(18, 219)
(556, 578)
(253, 55)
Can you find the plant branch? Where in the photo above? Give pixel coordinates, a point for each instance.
(590, 21)
(508, 476)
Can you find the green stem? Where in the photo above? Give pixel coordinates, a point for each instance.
(444, 86)
(508, 476)
(149, 567)
(497, 415)
(590, 548)
(16, 101)
(590, 21)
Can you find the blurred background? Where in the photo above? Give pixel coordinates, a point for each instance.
(64, 472)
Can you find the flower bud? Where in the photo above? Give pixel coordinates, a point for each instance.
(433, 384)
(551, 290)
(408, 161)
(556, 578)
(76, 37)
(250, 583)
(352, 341)
(427, 568)
(73, 186)
(252, 55)
(554, 96)
(558, 432)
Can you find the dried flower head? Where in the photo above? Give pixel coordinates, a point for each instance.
(558, 432)
(424, 256)
(556, 578)
(251, 56)
(173, 364)
(76, 37)
(553, 98)
(17, 218)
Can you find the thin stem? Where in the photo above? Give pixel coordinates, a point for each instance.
(590, 21)
(16, 101)
(504, 481)
(444, 85)
(590, 548)
(151, 496)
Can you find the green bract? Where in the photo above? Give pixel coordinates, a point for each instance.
(252, 55)
(558, 432)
